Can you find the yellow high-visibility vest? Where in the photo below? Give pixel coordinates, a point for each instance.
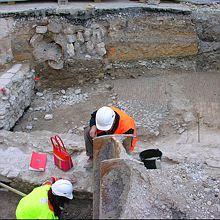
(35, 205)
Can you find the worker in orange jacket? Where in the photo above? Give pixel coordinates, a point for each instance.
(107, 121)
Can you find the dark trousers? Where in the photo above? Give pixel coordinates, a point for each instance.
(88, 142)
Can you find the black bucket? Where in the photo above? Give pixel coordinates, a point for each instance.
(150, 158)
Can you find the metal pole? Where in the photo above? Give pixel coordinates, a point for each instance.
(12, 189)
(198, 121)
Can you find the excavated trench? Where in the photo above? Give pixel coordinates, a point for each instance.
(166, 87)
(77, 209)
(68, 119)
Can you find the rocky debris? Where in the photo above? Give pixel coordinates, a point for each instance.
(16, 148)
(47, 52)
(72, 42)
(17, 86)
(78, 91)
(41, 29)
(181, 130)
(99, 36)
(55, 27)
(87, 56)
(51, 100)
(71, 38)
(48, 117)
(108, 67)
(57, 65)
(150, 117)
(40, 94)
(80, 37)
(109, 87)
(90, 6)
(87, 34)
(36, 39)
(100, 49)
(29, 127)
(40, 109)
(71, 50)
(153, 2)
(63, 91)
(139, 193)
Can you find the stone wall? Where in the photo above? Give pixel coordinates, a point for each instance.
(6, 54)
(62, 46)
(55, 42)
(16, 90)
(208, 31)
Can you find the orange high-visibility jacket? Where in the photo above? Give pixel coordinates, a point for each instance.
(125, 123)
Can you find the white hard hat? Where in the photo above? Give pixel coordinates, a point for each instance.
(63, 188)
(105, 117)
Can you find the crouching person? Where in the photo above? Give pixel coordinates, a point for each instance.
(46, 201)
(108, 121)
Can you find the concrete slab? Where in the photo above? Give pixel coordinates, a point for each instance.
(16, 149)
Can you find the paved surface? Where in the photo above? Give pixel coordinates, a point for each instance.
(79, 5)
(184, 5)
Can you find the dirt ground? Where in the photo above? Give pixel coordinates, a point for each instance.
(77, 209)
(164, 105)
(8, 204)
(153, 101)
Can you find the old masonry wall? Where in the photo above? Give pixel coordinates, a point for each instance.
(16, 86)
(69, 47)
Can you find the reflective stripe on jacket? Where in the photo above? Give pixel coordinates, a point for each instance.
(35, 205)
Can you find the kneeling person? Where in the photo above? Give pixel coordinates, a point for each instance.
(107, 121)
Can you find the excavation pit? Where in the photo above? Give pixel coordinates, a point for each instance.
(160, 64)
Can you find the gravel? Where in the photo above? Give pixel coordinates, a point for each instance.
(51, 100)
(150, 117)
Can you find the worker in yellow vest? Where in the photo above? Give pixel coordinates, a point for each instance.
(46, 201)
